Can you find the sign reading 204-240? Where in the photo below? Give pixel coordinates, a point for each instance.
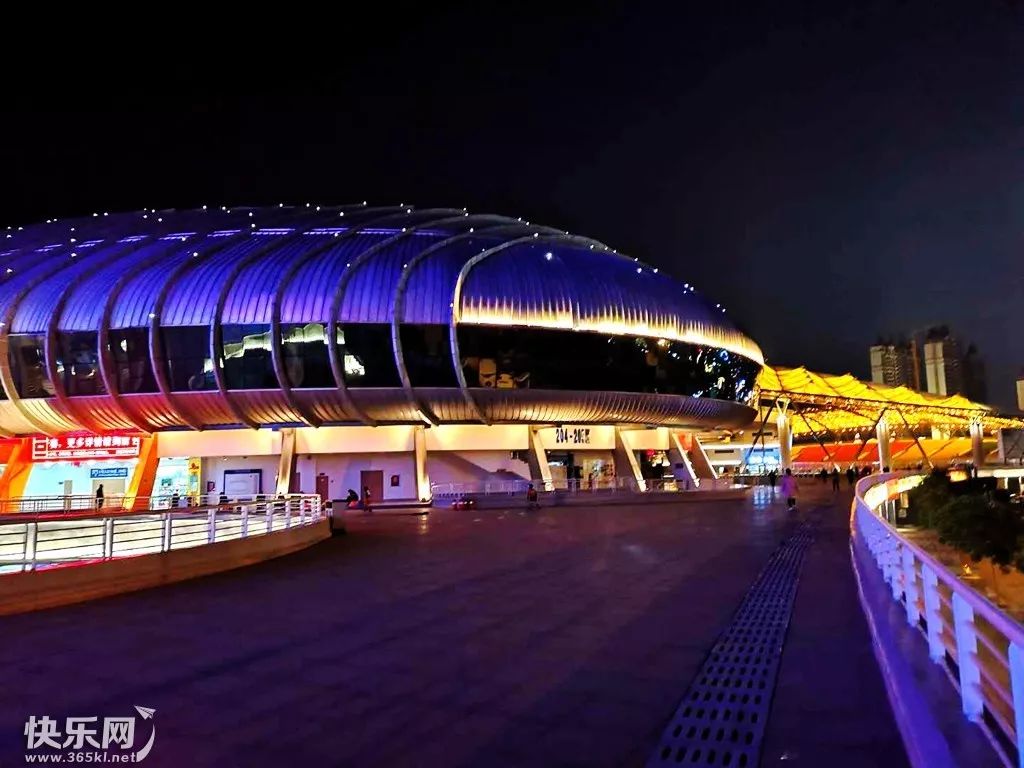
(572, 435)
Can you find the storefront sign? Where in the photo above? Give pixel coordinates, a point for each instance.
(572, 435)
(75, 447)
(105, 472)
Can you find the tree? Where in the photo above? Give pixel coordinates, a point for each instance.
(929, 497)
(981, 527)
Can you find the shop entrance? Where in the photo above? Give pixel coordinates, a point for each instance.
(113, 490)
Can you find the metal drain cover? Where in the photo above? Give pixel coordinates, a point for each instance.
(721, 719)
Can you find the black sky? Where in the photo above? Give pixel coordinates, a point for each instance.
(828, 172)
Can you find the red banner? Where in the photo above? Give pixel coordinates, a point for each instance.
(77, 447)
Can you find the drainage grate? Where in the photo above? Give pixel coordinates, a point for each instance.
(721, 719)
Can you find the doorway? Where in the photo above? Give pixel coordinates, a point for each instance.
(323, 487)
(374, 480)
(113, 490)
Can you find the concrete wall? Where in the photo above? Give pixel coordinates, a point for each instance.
(343, 472)
(20, 592)
(214, 467)
(474, 466)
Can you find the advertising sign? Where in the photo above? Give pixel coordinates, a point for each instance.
(75, 447)
(107, 472)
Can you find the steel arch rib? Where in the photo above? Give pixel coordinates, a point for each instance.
(101, 339)
(216, 326)
(156, 348)
(336, 364)
(276, 352)
(6, 376)
(399, 302)
(457, 300)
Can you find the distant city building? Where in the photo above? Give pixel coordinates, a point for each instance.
(975, 386)
(1020, 391)
(892, 364)
(943, 367)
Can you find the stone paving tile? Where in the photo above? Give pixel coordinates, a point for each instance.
(464, 639)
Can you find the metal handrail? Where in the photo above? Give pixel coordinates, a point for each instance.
(912, 573)
(573, 487)
(32, 541)
(77, 503)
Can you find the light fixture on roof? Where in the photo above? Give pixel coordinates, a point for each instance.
(655, 270)
(472, 228)
(342, 213)
(152, 315)
(536, 234)
(318, 209)
(195, 254)
(250, 214)
(204, 207)
(639, 270)
(9, 270)
(549, 255)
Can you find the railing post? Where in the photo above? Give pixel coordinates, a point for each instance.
(211, 526)
(245, 522)
(932, 613)
(270, 518)
(1016, 654)
(31, 537)
(967, 658)
(108, 538)
(910, 587)
(165, 544)
(288, 507)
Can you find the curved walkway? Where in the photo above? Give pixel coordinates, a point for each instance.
(469, 638)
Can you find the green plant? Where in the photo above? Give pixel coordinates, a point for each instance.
(929, 497)
(981, 527)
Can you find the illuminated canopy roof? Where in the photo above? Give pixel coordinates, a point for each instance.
(335, 268)
(836, 403)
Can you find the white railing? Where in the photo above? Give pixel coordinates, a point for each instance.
(984, 645)
(113, 502)
(613, 485)
(32, 541)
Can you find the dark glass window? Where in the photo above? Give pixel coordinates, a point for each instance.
(78, 363)
(246, 357)
(186, 353)
(511, 358)
(28, 365)
(427, 352)
(129, 347)
(304, 349)
(367, 355)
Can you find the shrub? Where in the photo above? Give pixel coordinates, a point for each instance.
(980, 527)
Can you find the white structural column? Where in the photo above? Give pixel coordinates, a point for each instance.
(784, 424)
(625, 457)
(537, 459)
(682, 467)
(286, 462)
(419, 442)
(884, 444)
(977, 446)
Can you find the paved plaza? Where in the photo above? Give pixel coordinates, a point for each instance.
(463, 638)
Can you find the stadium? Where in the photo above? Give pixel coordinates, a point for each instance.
(320, 348)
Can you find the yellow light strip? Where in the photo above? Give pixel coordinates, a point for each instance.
(654, 325)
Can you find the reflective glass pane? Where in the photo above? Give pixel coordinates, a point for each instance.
(129, 348)
(186, 352)
(247, 357)
(304, 349)
(427, 354)
(28, 365)
(78, 363)
(368, 358)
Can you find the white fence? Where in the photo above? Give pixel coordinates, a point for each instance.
(519, 486)
(31, 541)
(983, 644)
(79, 503)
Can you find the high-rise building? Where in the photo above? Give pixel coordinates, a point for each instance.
(892, 363)
(1020, 391)
(943, 369)
(975, 385)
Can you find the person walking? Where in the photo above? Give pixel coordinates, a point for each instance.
(835, 478)
(367, 499)
(789, 488)
(531, 498)
(773, 478)
(851, 475)
(99, 496)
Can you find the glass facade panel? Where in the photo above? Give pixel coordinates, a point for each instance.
(304, 349)
(78, 363)
(427, 353)
(186, 353)
(368, 358)
(513, 358)
(246, 360)
(129, 348)
(26, 354)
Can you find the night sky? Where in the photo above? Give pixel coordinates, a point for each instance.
(827, 174)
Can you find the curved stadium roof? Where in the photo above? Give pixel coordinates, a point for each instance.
(350, 264)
